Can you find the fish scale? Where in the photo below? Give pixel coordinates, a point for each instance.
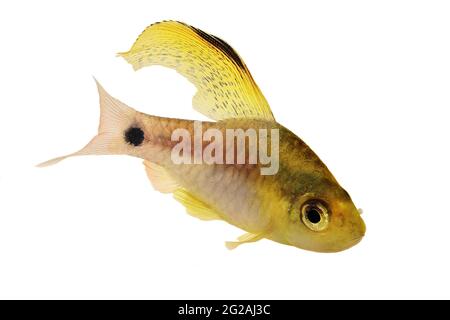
(229, 182)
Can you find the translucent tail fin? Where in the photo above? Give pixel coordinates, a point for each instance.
(115, 118)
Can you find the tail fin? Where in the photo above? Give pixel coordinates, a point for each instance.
(115, 118)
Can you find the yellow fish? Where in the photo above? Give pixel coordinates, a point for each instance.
(286, 195)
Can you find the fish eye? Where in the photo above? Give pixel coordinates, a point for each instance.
(314, 215)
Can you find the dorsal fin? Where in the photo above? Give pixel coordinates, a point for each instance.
(225, 86)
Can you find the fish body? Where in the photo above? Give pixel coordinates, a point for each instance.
(297, 203)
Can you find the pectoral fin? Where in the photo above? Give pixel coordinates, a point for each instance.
(245, 238)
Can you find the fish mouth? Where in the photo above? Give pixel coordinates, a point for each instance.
(355, 241)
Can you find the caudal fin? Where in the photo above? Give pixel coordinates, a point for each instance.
(115, 118)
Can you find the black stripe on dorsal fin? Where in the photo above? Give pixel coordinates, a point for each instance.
(221, 45)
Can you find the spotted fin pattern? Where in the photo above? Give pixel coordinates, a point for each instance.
(225, 86)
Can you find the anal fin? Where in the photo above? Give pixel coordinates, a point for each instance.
(194, 206)
(160, 178)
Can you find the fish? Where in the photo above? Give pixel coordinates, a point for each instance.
(281, 192)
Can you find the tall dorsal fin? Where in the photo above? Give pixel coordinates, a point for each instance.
(225, 86)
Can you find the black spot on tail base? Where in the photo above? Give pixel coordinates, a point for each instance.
(134, 136)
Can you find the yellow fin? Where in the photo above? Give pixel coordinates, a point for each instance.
(225, 86)
(194, 206)
(160, 178)
(245, 238)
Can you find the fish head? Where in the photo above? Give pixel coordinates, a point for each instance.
(324, 219)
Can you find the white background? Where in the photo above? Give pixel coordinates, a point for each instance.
(365, 83)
